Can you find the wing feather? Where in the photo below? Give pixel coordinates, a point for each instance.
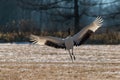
(49, 41)
(86, 32)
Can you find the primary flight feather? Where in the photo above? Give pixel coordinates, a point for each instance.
(69, 41)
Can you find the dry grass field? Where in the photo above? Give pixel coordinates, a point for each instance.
(34, 62)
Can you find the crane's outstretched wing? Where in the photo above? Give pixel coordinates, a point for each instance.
(85, 33)
(49, 41)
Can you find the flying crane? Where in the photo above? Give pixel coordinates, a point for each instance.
(69, 42)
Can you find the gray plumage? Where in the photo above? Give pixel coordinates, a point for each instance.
(69, 42)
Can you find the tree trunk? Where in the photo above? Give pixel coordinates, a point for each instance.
(76, 16)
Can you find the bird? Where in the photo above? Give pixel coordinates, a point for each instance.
(69, 42)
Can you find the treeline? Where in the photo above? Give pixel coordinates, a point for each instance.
(60, 14)
(11, 33)
(20, 18)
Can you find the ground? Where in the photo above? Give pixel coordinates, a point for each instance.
(35, 62)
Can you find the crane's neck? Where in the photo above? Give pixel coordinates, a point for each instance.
(69, 31)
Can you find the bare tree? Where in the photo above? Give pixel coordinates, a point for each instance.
(74, 12)
(54, 5)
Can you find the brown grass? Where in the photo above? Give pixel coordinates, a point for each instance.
(107, 38)
(101, 38)
(57, 71)
(33, 62)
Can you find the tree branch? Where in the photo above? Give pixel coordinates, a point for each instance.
(37, 6)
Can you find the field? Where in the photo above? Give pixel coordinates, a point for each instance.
(34, 62)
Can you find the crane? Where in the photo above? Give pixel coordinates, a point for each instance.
(69, 42)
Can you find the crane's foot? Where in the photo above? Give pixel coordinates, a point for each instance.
(71, 58)
(74, 58)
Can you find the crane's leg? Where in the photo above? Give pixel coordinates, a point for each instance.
(73, 54)
(70, 55)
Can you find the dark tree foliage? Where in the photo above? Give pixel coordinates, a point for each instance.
(59, 14)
